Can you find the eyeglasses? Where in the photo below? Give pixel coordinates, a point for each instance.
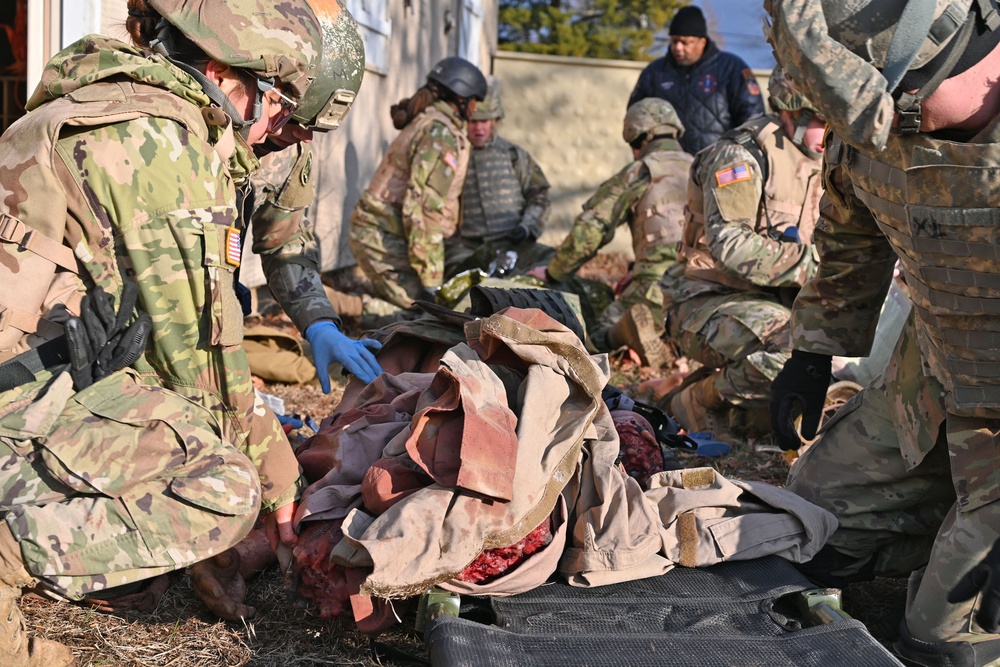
(288, 107)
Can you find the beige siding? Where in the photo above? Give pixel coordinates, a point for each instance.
(567, 112)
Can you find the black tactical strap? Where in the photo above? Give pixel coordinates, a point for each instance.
(23, 368)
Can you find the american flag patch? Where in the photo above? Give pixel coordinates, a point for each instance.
(740, 172)
(233, 247)
(451, 161)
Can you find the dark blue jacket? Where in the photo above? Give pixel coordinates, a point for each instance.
(716, 94)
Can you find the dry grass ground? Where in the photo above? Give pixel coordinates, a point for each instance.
(180, 632)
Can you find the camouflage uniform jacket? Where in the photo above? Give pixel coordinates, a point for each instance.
(612, 205)
(933, 204)
(283, 236)
(734, 220)
(141, 189)
(414, 193)
(488, 213)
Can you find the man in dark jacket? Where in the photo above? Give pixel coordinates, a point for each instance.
(712, 91)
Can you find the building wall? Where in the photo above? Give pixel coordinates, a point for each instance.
(567, 112)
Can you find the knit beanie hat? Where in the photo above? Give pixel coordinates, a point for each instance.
(688, 22)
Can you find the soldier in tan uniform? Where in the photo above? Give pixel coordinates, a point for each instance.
(910, 465)
(505, 200)
(753, 201)
(399, 226)
(648, 195)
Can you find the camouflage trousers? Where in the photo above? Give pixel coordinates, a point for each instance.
(384, 258)
(117, 483)
(915, 491)
(745, 335)
(640, 290)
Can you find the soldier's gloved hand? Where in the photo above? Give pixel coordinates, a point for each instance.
(518, 235)
(330, 345)
(800, 387)
(985, 579)
(99, 342)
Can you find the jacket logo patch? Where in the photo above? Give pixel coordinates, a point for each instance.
(708, 83)
(735, 174)
(451, 161)
(233, 246)
(753, 87)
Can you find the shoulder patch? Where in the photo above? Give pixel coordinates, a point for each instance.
(734, 174)
(450, 159)
(753, 87)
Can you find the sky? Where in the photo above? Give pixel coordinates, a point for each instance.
(736, 26)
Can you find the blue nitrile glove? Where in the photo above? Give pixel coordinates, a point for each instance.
(790, 235)
(330, 345)
(289, 420)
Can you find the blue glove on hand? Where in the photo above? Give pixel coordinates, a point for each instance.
(330, 345)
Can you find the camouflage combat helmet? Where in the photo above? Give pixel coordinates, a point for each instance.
(490, 108)
(849, 56)
(460, 77)
(783, 96)
(650, 117)
(341, 69)
(273, 40)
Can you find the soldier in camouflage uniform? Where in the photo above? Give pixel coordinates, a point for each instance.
(168, 460)
(911, 466)
(752, 204)
(648, 195)
(399, 226)
(505, 199)
(283, 188)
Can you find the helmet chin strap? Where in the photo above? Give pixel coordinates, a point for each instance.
(801, 125)
(241, 125)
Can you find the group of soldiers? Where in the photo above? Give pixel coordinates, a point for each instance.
(132, 442)
(771, 251)
(722, 242)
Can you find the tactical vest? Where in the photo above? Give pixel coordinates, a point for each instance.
(659, 214)
(791, 197)
(940, 210)
(492, 201)
(392, 177)
(31, 230)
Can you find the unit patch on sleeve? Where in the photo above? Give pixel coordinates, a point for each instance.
(734, 174)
